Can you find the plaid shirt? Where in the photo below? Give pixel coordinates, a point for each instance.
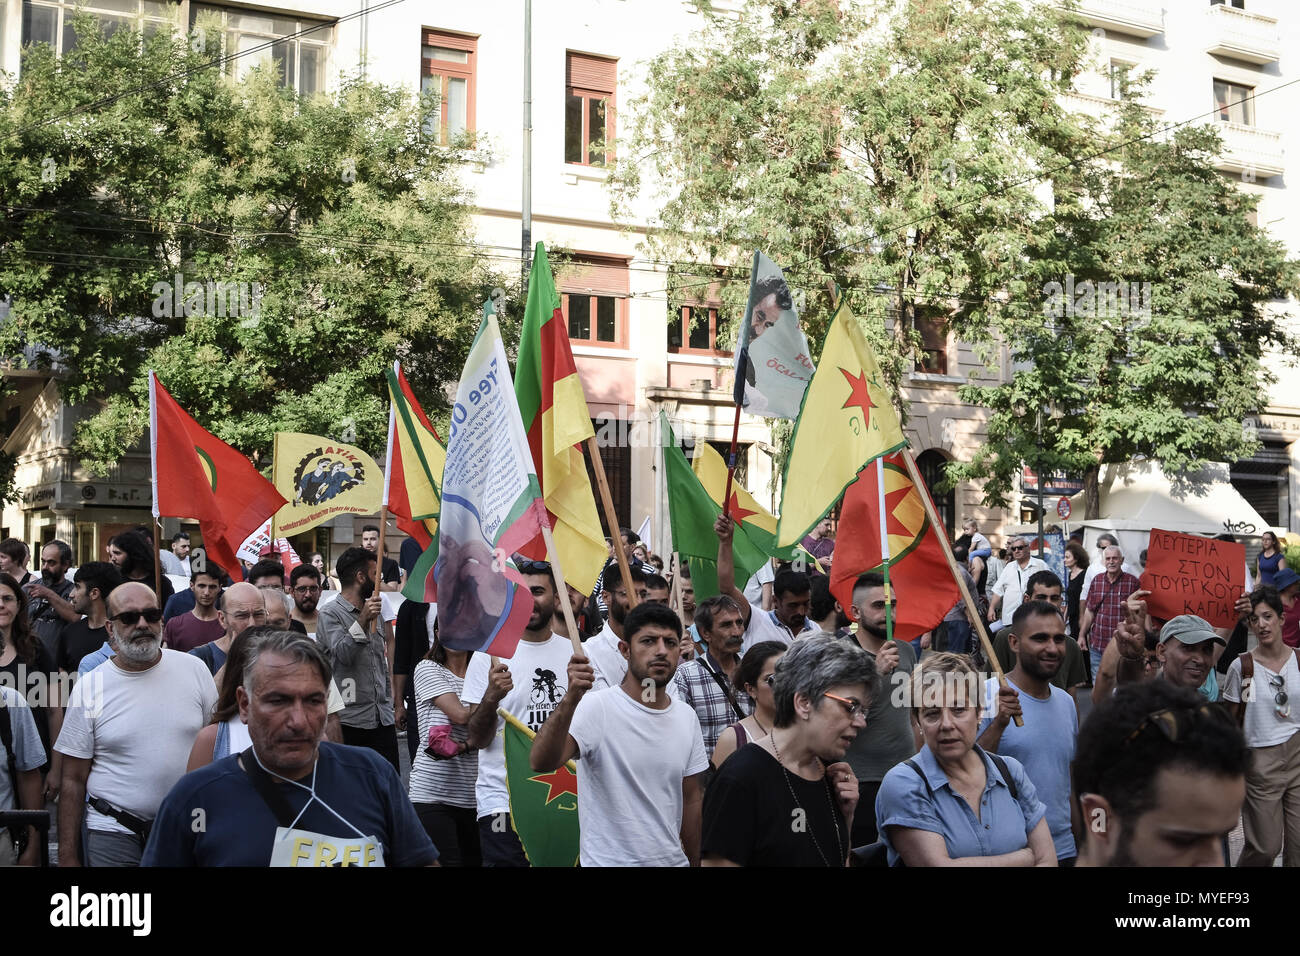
(696, 686)
(1106, 602)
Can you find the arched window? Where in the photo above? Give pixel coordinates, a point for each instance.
(930, 464)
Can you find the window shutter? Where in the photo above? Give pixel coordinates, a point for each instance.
(594, 73)
(596, 273)
(452, 41)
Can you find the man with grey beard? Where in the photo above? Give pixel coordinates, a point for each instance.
(127, 735)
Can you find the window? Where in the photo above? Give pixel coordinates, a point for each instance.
(299, 60)
(934, 343)
(931, 465)
(590, 85)
(1234, 103)
(694, 329)
(49, 21)
(1120, 73)
(447, 62)
(594, 297)
(1236, 4)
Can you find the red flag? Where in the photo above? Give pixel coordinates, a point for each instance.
(918, 571)
(197, 475)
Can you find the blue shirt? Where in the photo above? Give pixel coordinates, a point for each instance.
(239, 829)
(1004, 824)
(1044, 746)
(94, 659)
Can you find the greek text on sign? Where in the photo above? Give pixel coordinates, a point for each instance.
(1188, 574)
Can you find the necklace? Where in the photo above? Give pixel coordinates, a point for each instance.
(835, 818)
(766, 730)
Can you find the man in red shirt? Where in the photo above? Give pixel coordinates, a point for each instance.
(1287, 583)
(1105, 605)
(198, 626)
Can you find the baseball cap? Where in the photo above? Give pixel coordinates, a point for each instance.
(1189, 629)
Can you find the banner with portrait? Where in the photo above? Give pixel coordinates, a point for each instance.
(321, 479)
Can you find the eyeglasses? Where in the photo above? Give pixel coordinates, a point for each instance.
(313, 589)
(770, 679)
(1175, 723)
(127, 618)
(1278, 685)
(1150, 662)
(532, 567)
(249, 615)
(853, 708)
(1020, 547)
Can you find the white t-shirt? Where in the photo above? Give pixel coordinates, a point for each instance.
(1263, 727)
(541, 676)
(754, 586)
(137, 729)
(606, 660)
(763, 626)
(1011, 586)
(631, 761)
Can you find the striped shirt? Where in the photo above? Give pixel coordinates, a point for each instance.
(440, 781)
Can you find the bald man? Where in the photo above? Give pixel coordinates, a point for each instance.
(242, 606)
(127, 735)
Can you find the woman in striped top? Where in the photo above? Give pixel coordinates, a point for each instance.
(442, 789)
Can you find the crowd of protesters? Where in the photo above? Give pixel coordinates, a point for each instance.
(767, 725)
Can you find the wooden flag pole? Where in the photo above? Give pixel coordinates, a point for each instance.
(562, 591)
(971, 610)
(611, 521)
(675, 599)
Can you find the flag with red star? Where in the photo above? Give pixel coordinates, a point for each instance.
(918, 570)
(847, 419)
(543, 806)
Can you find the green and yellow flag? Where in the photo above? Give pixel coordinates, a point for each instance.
(694, 503)
(321, 479)
(846, 420)
(543, 806)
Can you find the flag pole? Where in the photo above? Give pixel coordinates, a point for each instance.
(971, 610)
(383, 528)
(562, 589)
(735, 434)
(742, 369)
(153, 475)
(884, 546)
(611, 521)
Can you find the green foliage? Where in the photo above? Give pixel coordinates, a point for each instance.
(919, 157)
(348, 229)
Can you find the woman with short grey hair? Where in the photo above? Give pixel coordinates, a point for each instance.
(788, 799)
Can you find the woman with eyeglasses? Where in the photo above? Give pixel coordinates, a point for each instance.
(954, 804)
(820, 693)
(755, 676)
(1262, 685)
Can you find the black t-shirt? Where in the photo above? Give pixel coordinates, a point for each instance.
(77, 640)
(750, 815)
(412, 642)
(27, 679)
(392, 573)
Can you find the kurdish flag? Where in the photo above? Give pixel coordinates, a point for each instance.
(197, 475)
(909, 552)
(846, 420)
(695, 501)
(412, 476)
(543, 806)
(491, 507)
(555, 416)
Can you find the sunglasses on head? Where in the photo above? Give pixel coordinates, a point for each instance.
(526, 566)
(150, 614)
(1174, 723)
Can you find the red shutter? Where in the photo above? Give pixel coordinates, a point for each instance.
(598, 274)
(593, 73)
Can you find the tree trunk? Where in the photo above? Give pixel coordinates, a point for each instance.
(1092, 493)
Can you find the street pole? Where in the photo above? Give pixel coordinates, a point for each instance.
(1038, 466)
(526, 207)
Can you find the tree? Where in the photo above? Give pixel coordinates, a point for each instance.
(267, 254)
(1150, 340)
(894, 156)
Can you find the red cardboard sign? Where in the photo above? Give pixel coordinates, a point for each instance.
(1188, 574)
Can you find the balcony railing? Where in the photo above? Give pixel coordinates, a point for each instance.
(1098, 107)
(1243, 35)
(1138, 18)
(1255, 153)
